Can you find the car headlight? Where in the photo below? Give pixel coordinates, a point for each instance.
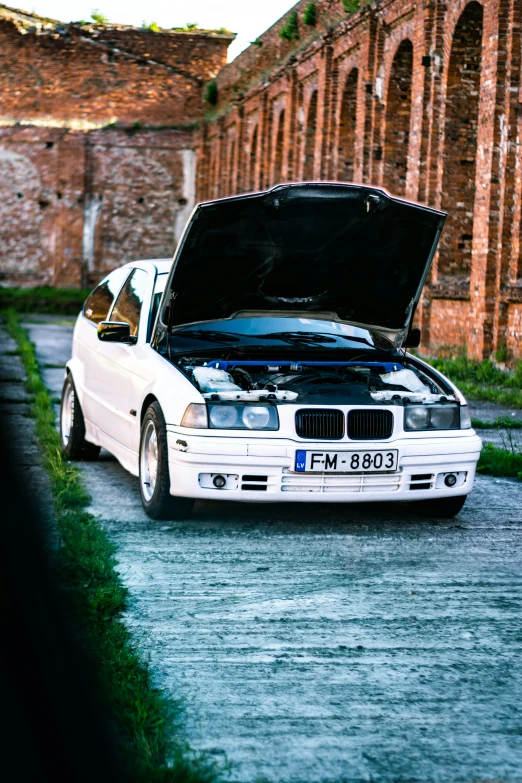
(432, 417)
(195, 416)
(242, 417)
(465, 418)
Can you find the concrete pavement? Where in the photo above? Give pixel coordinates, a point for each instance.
(327, 643)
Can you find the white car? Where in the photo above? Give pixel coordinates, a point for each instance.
(266, 362)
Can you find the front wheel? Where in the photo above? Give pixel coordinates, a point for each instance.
(444, 508)
(154, 470)
(72, 426)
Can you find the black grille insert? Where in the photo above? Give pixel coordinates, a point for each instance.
(320, 424)
(370, 425)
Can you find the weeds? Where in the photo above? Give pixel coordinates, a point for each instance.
(290, 30)
(211, 94)
(310, 15)
(99, 18)
(351, 6)
(500, 462)
(44, 299)
(483, 380)
(147, 724)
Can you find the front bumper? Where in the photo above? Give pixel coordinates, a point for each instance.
(263, 470)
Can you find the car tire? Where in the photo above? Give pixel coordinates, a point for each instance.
(444, 508)
(154, 470)
(72, 426)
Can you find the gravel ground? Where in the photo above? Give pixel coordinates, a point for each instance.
(325, 643)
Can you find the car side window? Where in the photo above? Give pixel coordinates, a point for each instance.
(98, 304)
(127, 307)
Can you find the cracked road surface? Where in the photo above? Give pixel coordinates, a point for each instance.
(328, 643)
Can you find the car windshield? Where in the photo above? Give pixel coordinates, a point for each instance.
(276, 332)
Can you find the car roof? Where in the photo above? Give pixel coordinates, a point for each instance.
(162, 264)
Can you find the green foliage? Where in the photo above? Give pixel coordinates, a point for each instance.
(145, 721)
(257, 42)
(290, 30)
(225, 31)
(152, 26)
(187, 28)
(482, 380)
(350, 6)
(43, 300)
(500, 462)
(99, 18)
(501, 354)
(211, 94)
(310, 15)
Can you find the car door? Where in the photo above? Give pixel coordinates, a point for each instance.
(118, 367)
(86, 347)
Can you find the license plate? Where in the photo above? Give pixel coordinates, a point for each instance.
(346, 461)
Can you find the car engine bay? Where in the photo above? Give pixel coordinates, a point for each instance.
(334, 382)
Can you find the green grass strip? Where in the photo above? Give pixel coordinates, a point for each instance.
(148, 733)
(500, 462)
(44, 299)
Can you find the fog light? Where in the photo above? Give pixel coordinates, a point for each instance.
(450, 480)
(220, 481)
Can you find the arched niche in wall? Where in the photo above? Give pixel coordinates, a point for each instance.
(251, 160)
(397, 120)
(231, 163)
(309, 139)
(279, 148)
(460, 143)
(347, 129)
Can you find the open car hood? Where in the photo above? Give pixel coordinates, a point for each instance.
(349, 251)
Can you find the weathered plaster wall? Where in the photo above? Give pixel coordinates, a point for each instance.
(423, 98)
(76, 205)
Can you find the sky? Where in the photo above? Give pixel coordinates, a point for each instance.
(246, 18)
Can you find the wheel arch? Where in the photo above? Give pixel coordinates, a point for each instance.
(149, 399)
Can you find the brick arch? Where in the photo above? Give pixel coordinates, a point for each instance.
(347, 128)
(309, 138)
(397, 119)
(460, 142)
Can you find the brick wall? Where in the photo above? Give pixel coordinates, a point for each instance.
(97, 165)
(421, 98)
(76, 205)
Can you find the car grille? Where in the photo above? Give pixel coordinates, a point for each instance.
(320, 424)
(328, 483)
(370, 425)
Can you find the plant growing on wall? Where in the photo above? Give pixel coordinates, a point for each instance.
(310, 15)
(98, 17)
(290, 30)
(351, 6)
(211, 94)
(152, 26)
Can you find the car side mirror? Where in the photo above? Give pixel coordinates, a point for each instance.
(413, 338)
(115, 332)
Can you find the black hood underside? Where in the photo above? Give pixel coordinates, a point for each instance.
(351, 251)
